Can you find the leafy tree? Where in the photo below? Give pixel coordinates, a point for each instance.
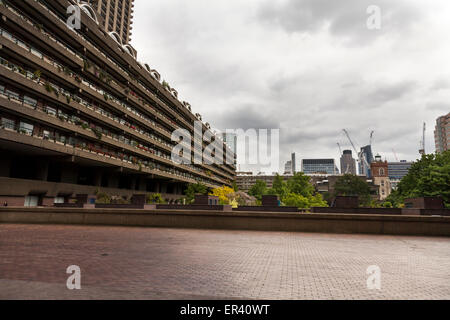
(258, 189)
(300, 184)
(225, 194)
(351, 185)
(279, 187)
(428, 177)
(235, 186)
(194, 189)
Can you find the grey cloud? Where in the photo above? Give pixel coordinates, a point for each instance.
(386, 93)
(344, 19)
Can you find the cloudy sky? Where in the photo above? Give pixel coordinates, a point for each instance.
(307, 67)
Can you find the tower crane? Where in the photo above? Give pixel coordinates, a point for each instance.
(361, 156)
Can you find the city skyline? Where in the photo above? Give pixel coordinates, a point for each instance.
(235, 48)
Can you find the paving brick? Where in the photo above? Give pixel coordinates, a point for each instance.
(156, 263)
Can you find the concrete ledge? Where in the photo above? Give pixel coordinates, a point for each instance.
(262, 221)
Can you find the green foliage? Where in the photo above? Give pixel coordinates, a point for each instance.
(302, 202)
(194, 189)
(103, 198)
(428, 177)
(297, 191)
(279, 187)
(258, 189)
(154, 198)
(351, 185)
(235, 186)
(300, 184)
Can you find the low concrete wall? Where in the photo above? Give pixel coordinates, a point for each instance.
(293, 222)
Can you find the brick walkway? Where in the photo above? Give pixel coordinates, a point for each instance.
(146, 263)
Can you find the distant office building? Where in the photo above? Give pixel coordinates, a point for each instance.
(364, 168)
(293, 163)
(288, 167)
(348, 164)
(319, 166)
(442, 133)
(397, 170)
(380, 174)
(117, 16)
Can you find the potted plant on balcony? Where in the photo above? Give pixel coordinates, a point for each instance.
(37, 75)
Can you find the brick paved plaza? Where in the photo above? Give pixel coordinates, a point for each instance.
(151, 263)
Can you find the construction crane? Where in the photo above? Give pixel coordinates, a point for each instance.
(360, 155)
(422, 143)
(340, 149)
(395, 155)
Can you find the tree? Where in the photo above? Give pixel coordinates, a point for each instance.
(279, 187)
(194, 189)
(428, 177)
(225, 194)
(258, 189)
(351, 185)
(300, 184)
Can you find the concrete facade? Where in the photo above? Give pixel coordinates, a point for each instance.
(76, 108)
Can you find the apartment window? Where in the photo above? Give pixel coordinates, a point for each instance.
(26, 128)
(8, 123)
(58, 200)
(12, 95)
(30, 101)
(31, 201)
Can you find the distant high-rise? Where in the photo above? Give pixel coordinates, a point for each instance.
(117, 16)
(288, 167)
(348, 164)
(442, 133)
(293, 162)
(364, 169)
(319, 166)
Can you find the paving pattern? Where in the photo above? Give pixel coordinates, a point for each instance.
(156, 263)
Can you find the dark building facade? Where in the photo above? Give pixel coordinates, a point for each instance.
(79, 113)
(115, 16)
(348, 164)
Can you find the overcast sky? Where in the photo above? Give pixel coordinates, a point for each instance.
(307, 67)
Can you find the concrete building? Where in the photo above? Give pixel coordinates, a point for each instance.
(380, 176)
(348, 164)
(442, 133)
(319, 166)
(116, 16)
(230, 139)
(325, 184)
(78, 113)
(245, 180)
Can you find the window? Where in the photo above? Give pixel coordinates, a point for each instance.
(26, 128)
(381, 171)
(30, 101)
(31, 201)
(8, 123)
